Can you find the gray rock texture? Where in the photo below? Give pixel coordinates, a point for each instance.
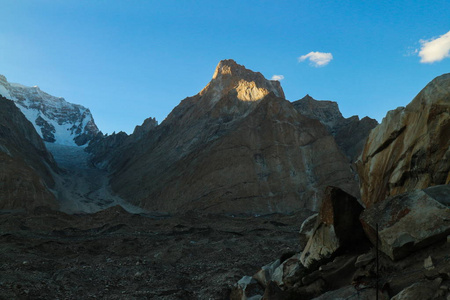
(409, 221)
(410, 149)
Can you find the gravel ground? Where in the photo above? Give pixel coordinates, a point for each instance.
(113, 254)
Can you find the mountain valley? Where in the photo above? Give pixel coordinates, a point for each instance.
(237, 194)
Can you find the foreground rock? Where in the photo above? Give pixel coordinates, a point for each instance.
(25, 164)
(410, 149)
(337, 226)
(409, 221)
(350, 292)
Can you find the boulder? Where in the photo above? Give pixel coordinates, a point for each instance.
(349, 292)
(306, 230)
(247, 288)
(423, 290)
(409, 221)
(410, 149)
(287, 269)
(265, 275)
(337, 226)
(273, 292)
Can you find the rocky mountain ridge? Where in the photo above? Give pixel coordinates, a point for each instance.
(235, 146)
(55, 119)
(26, 167)
(350, 133)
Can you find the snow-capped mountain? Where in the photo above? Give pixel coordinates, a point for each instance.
(56, 120)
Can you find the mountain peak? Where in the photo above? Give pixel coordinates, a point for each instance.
(230, 76)
(229, 67)
(56, 120)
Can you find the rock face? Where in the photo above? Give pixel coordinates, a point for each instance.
(55, 120)
(350, 292)
(25, 164)
(350, 133)
(410, 149)
(337, 226)
(148, 125)
(237, 146)
(409, 221)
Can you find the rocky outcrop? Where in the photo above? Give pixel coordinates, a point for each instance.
(422, 290)
(350, 133)
(104, 147)
(25, 164)
(237, 146)
(307, 230)
(350, 292)
(337, 226)
(410, 149)
(409, 221)
(148, 125)
(55, 119)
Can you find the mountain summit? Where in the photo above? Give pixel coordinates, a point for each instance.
(237, 146)
(244, 83)
(56, 120)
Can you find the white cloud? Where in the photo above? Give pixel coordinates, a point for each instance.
(437, 49)
(317, 59)
(277, 77)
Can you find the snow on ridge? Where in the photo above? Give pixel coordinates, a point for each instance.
(55, 119)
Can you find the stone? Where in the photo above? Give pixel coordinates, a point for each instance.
(423, 290)
(410, 149)
(309, 291)
(287, 269)
(409, 221)
(365, 259)
(428, 263)
(306, 230)
(265, 275)
(247, 288)
(273, 292)
(349, 292)
(337, 226)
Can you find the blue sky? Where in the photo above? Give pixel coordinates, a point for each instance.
(129, 60)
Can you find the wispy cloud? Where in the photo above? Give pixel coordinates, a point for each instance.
(436, 49)
(277, 77)
(317, 59)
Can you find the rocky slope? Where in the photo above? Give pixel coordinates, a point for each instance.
(55, 120)
(237, 146)
(116, 255)
(407, 222)
(25, 165)
(410, 149)
(350, 133)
